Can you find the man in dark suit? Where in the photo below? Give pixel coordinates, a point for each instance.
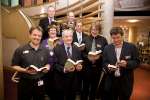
(47, 21)
(65, 77)
(78, 35)
(120, 59)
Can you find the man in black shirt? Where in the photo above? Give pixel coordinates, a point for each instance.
(30, 86)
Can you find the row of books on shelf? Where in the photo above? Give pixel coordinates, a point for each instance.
(34, 2)
(24, 3)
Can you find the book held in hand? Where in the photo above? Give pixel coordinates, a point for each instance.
(94, 53)
(71, 63)
(51, 42)
(36, 68)
(79, 45)
(112, 66)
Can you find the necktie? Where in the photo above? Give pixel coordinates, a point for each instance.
(50, 20)
(68, 52)
(93, 45)
(79, 40)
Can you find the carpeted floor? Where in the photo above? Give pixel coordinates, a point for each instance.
(141, 85)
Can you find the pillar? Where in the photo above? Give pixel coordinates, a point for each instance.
(1, 64)
(132, 34)
(107, 17)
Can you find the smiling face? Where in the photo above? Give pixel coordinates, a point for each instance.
(35, 37)
(51, 11)
(79, 27)
(71, 17)
(94, 31)
(52, 32)
(117, 36)
(117, 39)
(67, 36)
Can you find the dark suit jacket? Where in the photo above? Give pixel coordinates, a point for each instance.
(65, 80)
(101, 42)
(130, 54)
(75, 39)
(44, 25)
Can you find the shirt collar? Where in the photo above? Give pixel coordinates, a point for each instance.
(31, 48)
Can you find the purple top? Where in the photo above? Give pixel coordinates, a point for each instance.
(52, 58)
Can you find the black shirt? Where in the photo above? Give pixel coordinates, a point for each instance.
(25, 56)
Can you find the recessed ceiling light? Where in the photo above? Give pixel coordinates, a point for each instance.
(133, 20)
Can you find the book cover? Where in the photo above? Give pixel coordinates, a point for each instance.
(71, 63)
(51, 42)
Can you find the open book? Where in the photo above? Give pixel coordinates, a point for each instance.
(51, 42)
(36, 68)
(94, 53)
(112, 66)
(70, 63)
(79, 45)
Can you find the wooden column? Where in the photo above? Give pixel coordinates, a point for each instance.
(1, 64)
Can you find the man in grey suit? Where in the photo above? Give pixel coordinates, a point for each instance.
(119, 61)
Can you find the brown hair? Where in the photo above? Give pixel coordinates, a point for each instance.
(52, 26)
(97, 26)
(116, 30)
(35, 28)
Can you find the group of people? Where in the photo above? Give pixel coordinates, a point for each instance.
(116, 60)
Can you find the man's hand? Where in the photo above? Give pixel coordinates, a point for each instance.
(122, 63)
(70, 69)
(111, 67)
(79, 67)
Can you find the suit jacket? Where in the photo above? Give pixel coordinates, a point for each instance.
(65, 80)
(44, 25)
(75, 39)
(101, 42)
(129, 53)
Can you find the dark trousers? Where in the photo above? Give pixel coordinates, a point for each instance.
(90, 84)
(49, 85)
(65, 86)
(120, 90)
(28, 89)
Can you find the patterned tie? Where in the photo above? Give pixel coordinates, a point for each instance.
(68, 52)
(93, 49)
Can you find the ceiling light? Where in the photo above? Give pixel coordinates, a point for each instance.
(133, 20)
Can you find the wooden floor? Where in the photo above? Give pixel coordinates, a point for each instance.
(141, 85)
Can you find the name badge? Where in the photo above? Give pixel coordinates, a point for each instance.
(127, 57)
(40, 82)
(26, 51)
(99, 46)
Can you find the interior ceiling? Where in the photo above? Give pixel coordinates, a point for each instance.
(144, 22)
(90, 9)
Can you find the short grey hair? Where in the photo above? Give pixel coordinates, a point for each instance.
(66, 31)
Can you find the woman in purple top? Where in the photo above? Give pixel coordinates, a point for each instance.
(49, 43)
